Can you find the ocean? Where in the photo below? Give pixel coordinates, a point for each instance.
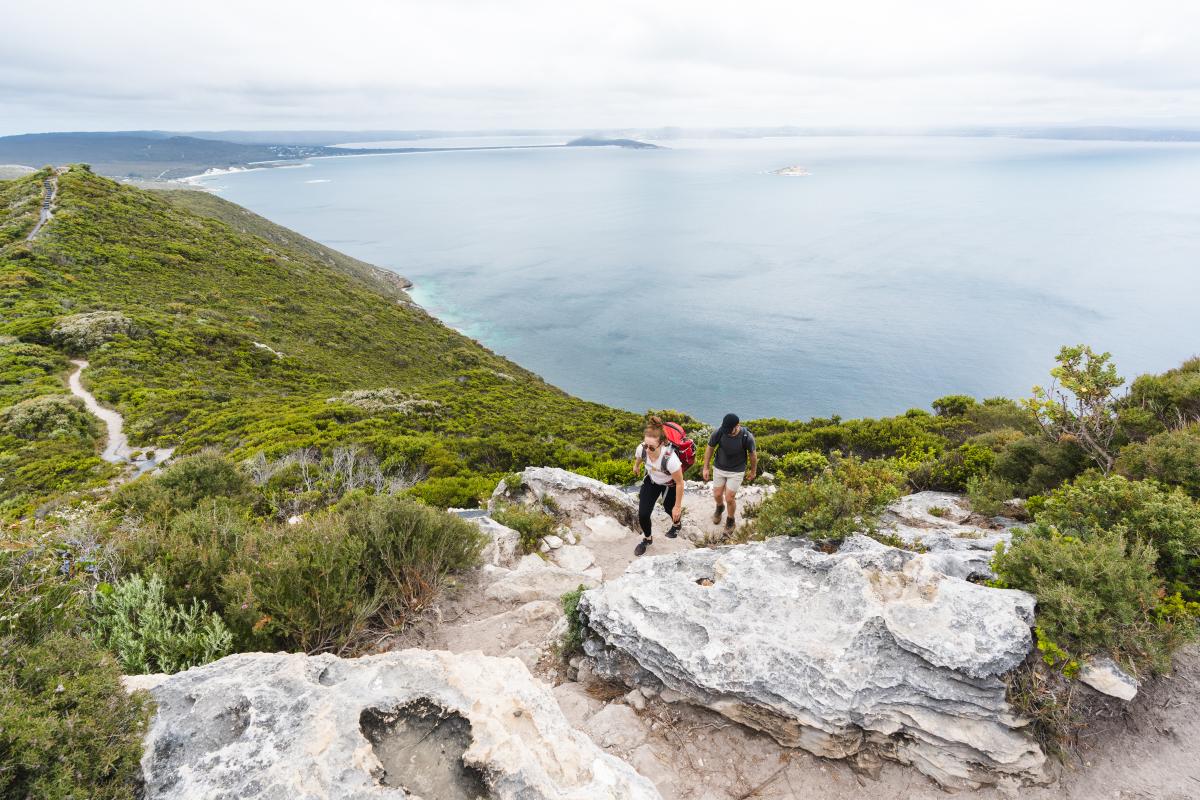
(895, 271)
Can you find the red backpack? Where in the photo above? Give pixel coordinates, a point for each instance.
(684, 447)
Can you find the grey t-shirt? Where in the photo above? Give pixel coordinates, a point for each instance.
(732, 451)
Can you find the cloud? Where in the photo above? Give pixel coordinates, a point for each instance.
(535, 63)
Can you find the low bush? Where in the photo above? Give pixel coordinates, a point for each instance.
(1094, 595)
(50, 416)
(182, 485)
(1172, 458)
(572, 641)
(1035, 465)
(611, 471)
(469, 491)
(845, 498)
(1168, 520)
(953, 405)
(68, 729)
(952, 470)
(989, 495)
(533, 524)
(802, 464)
(134, 621)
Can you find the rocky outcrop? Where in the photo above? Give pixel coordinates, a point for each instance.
(412, 723)
(1103, 675)
(871, 648)
(576, 496)
(942, 524)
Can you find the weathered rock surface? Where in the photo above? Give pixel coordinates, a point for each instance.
(1103, 675)
(411, 723)
(956, 547)
(537, 579)
(503, 547)
(575, 495)
(870, 647)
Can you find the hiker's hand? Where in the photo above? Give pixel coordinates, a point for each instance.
(676, 514)
(705, 475)
(750, 476)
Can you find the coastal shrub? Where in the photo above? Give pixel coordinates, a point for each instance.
(846, 497)
(1035, 465)
(1171, 398)
(953, 405)
(1081, 404)
(572, 641)
(1171, 458)
(67, 727)
(133, 620)
(181, 485)
(460, 491)
(46, 417)
(191, 552)
(339, 580)
(79, 333)
(802, 464)
(1094, 595)
(611, 471)
(989, 495)
(300, 587)
(1168, 520)
(953, 469)
(533, 524)
(409, 548)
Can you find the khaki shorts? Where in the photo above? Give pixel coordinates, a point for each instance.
(730, 481)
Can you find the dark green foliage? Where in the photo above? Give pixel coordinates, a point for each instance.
(802, 464)
(1167, 520)
(1095, 594)
(466, 491)
(1034, 465)
(1168, 401)
(618, 472)
(533, 524)
(843, 499)
(954, 469)
(988, 495)
(68, 729)
(572, 641)
(953, 405)
(182, 485)
(1171, 458)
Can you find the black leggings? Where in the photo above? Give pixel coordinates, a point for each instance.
(648, 496)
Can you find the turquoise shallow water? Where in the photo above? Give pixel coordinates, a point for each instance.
(899, 270)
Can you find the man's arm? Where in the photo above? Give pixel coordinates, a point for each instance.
(708, 451)
(753, 465)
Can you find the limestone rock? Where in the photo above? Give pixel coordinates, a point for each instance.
(411, 723)
(1103, 675)
(553, 542)
(575, 495)
(957, 547)
(574, 557)
(504, 542)
(537, 579)
(616, 726)
(871, 645)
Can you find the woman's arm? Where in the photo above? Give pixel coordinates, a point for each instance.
(678, 512)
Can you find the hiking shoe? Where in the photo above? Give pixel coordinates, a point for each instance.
(671, 534)
(729, 523)
(720, 512)
(642, 545)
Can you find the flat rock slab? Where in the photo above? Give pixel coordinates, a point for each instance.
(870, 645)
(296, 727)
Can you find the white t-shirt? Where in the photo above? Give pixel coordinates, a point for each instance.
(652, 467)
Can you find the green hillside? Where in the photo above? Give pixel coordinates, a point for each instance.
(198, 293)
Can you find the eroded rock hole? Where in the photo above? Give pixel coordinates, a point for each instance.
(421, 746)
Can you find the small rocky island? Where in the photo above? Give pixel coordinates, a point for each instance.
(600, 141)
(792, 172)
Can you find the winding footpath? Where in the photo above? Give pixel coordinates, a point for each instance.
(49, 192)
(117, 449)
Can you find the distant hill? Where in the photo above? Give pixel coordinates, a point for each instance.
(599, 141)
(152, 154)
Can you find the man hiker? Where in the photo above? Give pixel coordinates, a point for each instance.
(735, 449)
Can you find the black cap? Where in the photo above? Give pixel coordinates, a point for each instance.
(729, 423)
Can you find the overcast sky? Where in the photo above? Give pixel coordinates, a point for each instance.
(469, 64)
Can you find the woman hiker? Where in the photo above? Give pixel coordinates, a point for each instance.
(664, 478)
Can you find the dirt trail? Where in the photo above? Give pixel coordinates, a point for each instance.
(116, 448)
(49, 192)
(1152, 753)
